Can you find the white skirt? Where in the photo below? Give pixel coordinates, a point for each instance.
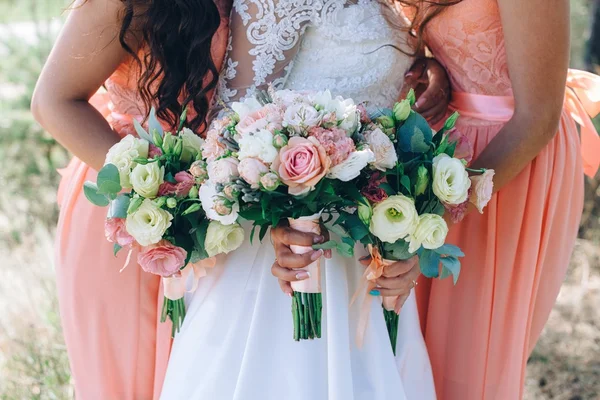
(237, 343)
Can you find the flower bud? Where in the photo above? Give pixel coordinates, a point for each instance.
(412, 99)
(422, 180)
(134, 204)
(192, 209)
(451, 121)
(279, 140)
(385, 121)
(178, 148)
(169, 142)
(231, 192)
(269, 181)
(157, 138)
(402, 110)
(222, 207)
(365, 212)
(193, 194)
(160, 201)
(171, 202)
(198, 169)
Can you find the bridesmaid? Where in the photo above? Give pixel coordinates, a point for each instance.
(507, 61)
(110, 319)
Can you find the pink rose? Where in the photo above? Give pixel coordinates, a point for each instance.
(212, 148)
(154, 151)
(464, 148)
(337, 145)
(162, 258)
(302, 164)
(483, 188)
(115, 232)
(269, 117)
(251, 169)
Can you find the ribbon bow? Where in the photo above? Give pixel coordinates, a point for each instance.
(175, 285)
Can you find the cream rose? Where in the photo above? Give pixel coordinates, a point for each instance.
(223, 170)
(251, 170)
(431, 233)
(122, 155)
(146, 179)
(148, 223)
(394, 218)
(208, 196)
(223, 239)
(352, 166)
(383, 148)
(258, 145)
(451, 181)
(192, 144)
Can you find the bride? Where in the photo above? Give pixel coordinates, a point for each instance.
(236, 342)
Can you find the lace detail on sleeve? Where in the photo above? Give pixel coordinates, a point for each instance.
(265, 37)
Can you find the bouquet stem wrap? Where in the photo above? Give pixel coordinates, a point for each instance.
(307, 301)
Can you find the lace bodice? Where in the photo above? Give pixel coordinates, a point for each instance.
(315, 45)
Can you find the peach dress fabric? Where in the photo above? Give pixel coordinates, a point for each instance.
(117, 347)
(480, 332)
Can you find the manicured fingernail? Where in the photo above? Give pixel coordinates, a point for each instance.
(316, 255)
(302, 275)
(408, 74)
(374, 292)
(398, 311)
(318, 239)
(328, 254)
(289, 294)
(364, 258)
(420, 102)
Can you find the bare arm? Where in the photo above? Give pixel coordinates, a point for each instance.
(86, 53)
(537, 47)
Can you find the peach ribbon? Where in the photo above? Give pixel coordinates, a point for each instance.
(175, 286)
(582, 101)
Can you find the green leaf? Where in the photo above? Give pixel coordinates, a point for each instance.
(134, 204)
(118, 207)
(452, 264)
(397, 250)
(430, 263)
(142, 132)
(405, 181)
(415, 135)
(387, 188)
(329, 245)
(411, 97)
(345, 250)
(116, 249)
(355, 227)
(91, 193)
(450, 250)
(338, 230)
(201, 238)
(153, 124)
(445, 273)
(108, 180)
(438, 209)
(451, 121)
(263, 232)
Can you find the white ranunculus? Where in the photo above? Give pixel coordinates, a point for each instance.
(223, 239)
(258, 145)
(351, 167)
(246, 107)
(431, 233)
(223, 170)
(451, 181)
(148, 223)
(394, 218)
(208, 195)
(344, 109)
(301, 117)
(146, 179)
(122, 155)
(192, 144)
(382, 146)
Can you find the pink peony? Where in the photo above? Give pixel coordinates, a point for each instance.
(302, 164)
(115, 232)
(268, 117)
(483, 188)
(336, 143)
(464, 148)
(154, 151)
(162, 258)
(251, 169)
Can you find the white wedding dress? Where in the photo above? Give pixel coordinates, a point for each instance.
(236, 342)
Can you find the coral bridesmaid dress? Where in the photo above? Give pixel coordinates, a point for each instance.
(117, 347)
(480, 332)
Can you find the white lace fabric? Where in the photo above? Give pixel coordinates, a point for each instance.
(314, 45)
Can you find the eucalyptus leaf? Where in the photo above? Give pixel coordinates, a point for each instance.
(153, 124)
(429, 262)
(116, 248)
(397, 250)
(452, 264)
(450, 250)
(415, 135)
(90, 190)
(142, 132)
(345, 250)
(109, 180)
(118, 207)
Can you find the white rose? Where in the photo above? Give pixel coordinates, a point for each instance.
(248, 106)
(285, 98)
(382, 146)
(394, 218)
(300, 117)
(208, 194)
(223, 170)
(451, 181)
(222, 239)
(146, 179)
(251, 170)
(122, 155)
(351, 167)
(258, 145)
(431, 233)
(148, 223)
(192, 144)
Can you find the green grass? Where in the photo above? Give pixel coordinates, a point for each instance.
(26, 10)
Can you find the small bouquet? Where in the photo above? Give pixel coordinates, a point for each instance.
(286, 155)
(419, 178)
(151, 185)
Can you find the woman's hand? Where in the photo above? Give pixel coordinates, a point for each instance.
(288, 265)
(431, 83)
(398, 279)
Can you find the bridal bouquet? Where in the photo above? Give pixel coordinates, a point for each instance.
(420, 178)
(286, 155)
(151, 185)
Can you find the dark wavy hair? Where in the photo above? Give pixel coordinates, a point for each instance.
(177, 68)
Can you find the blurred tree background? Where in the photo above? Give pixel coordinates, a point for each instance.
(33, 364)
